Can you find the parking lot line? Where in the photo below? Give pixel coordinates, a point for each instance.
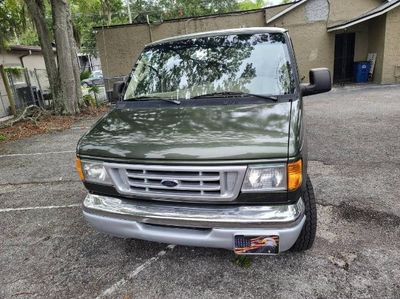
(134, 273)
(39, 208)
(36, 154)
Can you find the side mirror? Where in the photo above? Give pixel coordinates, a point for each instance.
(118, 88)
(320, 81)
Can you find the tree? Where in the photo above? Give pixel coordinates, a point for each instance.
(249, 4)
(63, 73)
(68, 67)
(12, 20)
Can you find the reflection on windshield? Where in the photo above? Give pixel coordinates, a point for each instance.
(249, 63)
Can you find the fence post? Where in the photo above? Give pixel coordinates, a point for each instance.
(8, 91)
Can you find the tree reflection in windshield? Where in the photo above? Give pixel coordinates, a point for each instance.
(250, 63)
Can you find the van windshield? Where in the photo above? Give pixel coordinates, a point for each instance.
(183, 69)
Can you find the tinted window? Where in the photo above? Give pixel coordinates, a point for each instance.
(250, 63)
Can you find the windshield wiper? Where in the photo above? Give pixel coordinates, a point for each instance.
(236, 94)
(141, 98)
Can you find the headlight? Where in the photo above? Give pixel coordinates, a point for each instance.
(265, 178)
(273, 177)
(93, 172)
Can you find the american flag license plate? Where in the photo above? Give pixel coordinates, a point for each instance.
(256, 244)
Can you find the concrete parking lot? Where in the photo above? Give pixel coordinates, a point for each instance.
(47, 250)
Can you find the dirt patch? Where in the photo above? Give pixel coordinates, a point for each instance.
(45, 124)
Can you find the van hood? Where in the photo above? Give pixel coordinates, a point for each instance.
(225, 132)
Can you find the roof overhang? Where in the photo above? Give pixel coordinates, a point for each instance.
(285, 11)
(380, 10)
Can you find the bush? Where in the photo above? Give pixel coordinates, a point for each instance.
(85, 74)
(2, 137)
(89, 101)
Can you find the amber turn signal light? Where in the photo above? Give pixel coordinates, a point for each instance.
(78, 166)
(295, 175)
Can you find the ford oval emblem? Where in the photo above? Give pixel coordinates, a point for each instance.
(169, 183)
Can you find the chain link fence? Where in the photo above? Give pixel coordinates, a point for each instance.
(4, 105)
(29, 87)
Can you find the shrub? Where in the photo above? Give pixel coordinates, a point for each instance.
(89, 100)
(85, 74)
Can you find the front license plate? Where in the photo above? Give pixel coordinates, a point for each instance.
(256, 244)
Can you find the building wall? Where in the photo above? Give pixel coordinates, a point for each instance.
(342, 10)
(34, 61)
(376, 44)
(392, 47)
(313, 46)
(6, 59)
(361, 42)
(11, 59)
(119, 46)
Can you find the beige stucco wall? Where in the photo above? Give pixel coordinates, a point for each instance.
(361, 42)
(376, 44)
(8, 59)
(313, 46)
(392, 47)
(34, 61)
(342, 10)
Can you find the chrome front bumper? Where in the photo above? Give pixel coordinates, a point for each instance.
(193, 225)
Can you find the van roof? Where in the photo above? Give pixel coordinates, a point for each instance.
(250, 30)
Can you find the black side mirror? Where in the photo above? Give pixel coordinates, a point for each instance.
(320, 81)
(118, 88)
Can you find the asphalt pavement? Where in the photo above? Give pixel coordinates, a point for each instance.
(48, 251)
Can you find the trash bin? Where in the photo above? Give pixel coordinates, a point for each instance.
(361, 71)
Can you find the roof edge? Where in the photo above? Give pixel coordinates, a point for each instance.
(364, 17)
(287, 10)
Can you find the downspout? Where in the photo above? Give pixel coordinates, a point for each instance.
(21, 58)
(26, 75)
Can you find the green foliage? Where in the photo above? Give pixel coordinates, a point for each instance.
(243, 261)
(249, 4)
(3, 137)
(16, 71)
(87, 14)
(89, 101)
(85, 74)
(27, 37)
(94, 89)
(12, 20)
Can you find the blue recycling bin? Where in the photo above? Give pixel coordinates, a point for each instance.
(361, 71)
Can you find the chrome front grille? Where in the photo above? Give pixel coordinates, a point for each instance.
(204, 183)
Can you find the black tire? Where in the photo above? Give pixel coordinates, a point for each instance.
(307, 236)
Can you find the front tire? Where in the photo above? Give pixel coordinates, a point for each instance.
(307, 236)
